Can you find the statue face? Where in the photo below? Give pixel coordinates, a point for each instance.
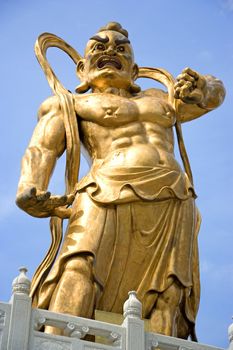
(108, 61)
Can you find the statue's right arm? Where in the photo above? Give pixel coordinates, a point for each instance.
(46, 146)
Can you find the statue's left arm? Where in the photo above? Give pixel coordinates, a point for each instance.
(197, 94)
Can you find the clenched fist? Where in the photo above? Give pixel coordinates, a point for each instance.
(190, 87)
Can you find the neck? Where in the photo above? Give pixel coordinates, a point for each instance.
(113, 90)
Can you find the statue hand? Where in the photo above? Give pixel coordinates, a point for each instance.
(190, 87)
(42, 204)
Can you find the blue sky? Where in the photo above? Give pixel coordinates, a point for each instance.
(168, 34)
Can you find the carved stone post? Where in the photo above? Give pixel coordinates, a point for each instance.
(20, 313)
(230, 336)
(135, 334)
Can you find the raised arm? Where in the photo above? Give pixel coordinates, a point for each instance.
(197, 94)
(47, 144)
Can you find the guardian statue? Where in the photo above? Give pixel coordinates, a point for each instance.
(133, 222)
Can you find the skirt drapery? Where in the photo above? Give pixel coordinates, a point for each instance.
(137, 246)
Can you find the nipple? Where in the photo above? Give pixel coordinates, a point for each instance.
(109, 112)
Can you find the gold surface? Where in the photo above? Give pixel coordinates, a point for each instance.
(133, 222)
(111, 317)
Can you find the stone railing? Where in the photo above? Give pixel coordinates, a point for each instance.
(21, 328)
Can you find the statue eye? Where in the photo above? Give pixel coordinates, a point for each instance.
(120, 48)
(99, 47)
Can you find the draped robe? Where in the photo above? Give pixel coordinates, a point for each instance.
(140, 224)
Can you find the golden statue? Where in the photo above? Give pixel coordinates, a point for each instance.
(133, 222)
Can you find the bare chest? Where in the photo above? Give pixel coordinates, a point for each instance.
(113, 111)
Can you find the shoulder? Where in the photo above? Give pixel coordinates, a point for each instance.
(50, 115)
(49, 132)
(51, 104)
(50, 129)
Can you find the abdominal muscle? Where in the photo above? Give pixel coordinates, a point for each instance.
(138, 144)
(124, 171)
(140, 155)
(126, 163)
(133, 156)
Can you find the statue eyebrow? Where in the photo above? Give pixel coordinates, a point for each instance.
(122, 41)
(100, 39)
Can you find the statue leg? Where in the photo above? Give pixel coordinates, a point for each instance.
(76, 291)
(168, 317)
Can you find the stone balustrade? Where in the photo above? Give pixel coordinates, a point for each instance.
(21, 328)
